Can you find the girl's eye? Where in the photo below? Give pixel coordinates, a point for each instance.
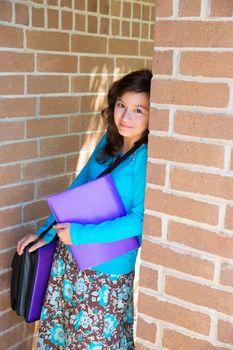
(138, 110)
(120, 105)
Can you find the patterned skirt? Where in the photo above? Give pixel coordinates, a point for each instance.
(86, 310)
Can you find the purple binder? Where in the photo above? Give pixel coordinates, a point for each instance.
(39, 277)
(92, 203)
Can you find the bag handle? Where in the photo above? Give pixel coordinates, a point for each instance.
(109, 169)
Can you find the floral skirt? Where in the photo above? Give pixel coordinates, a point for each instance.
(86, 310)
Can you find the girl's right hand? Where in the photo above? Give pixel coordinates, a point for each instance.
(28, 239)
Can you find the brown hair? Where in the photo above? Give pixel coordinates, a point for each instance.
(137, 81)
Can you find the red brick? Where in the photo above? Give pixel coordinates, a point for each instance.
(127, 65)
(221, 9)
(176, 259)
(16, 194)
(225, 332)
(189, 9)
(199, 294)
(152, 226)
(80, 22)
(17, 107)
(12, 85)
(200, 239)
(162, 62)
(10, 174)
(206, 184)
(164, 8)
(46, 127)
(182, 207)
(90, 104)
(38, 17)
(35, 210)
(66, 3)
(59, 105)
(59, 145)
(10, 217)
(146, 48)
(66, 20)
(11, 131)
(86, 122)
(56, 63)
(156, 173)
(49, 41)
(88, 43)
(179, 92)
(150, 328)
(100, 64)
(47, 84)
(229, 218)
(5, 278)
(89, 84)
(193, 34)
(22, 14)
(207, 64)
(53, 18)
(5, 263)
(16, 62)
(18, 151)
(11, 37)
(92, 24)
(43, 168)
(227, 274)
(5, 11)
(50, 186)
(13, 336)
(159, 119)
(177, 341)
(168, 148)
(168, 312)
(123, 47)
(148, 278)
(204, 125)
(5, 301)
(11, 236)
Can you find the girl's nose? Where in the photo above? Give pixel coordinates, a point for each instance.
(127, 115)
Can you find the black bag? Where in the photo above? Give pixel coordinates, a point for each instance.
(30, 277)
(31, 271)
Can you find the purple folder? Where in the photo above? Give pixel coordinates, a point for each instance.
(39, 276)
(92, 203)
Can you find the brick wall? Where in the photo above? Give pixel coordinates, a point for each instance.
(57, 59)
(186, 276)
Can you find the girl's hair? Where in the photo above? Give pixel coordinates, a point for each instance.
(137, 81)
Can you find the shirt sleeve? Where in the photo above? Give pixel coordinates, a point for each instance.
(123, 227)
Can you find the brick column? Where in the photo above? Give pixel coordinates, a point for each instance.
(186, 276)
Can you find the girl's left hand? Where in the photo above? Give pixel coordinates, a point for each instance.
(63, 232)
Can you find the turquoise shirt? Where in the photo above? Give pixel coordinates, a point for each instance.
(130, 180)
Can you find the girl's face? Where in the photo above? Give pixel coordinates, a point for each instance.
(131, 115)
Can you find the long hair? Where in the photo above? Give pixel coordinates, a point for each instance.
(137, 81)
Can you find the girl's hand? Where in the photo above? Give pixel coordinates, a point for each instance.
(28, 239)
(63, 232)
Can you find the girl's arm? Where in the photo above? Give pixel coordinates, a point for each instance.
(122, 227)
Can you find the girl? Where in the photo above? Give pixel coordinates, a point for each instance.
(92, 309)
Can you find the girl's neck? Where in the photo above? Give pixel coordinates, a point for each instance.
(126, 146)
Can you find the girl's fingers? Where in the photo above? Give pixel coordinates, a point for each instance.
(24, 242)
(60, 226)
(39, 244)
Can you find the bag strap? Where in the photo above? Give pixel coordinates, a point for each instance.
(109, 169)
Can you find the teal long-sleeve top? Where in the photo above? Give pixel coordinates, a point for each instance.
(130, 181)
